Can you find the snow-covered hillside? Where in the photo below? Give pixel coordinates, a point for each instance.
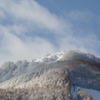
(54, 70)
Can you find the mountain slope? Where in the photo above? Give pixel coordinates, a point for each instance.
(53, 75)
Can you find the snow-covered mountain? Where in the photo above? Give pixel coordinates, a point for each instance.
(51, 77)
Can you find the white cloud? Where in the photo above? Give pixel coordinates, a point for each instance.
(31, 11)
(88, 44)
(2, 15)
(13, 48)
(25, 16)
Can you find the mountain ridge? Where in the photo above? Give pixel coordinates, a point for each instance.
(59, 70)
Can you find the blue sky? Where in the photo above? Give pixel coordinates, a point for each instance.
(33, 28)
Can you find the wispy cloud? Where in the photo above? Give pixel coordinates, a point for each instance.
(24, 24)
(29, 11)
(13, 48)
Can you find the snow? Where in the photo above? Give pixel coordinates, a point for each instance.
(94, 93)
(50, 58)
(10, 69)
(74, 91)
(24, 71)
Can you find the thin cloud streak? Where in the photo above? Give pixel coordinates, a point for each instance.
(31, 11)
(14, 48)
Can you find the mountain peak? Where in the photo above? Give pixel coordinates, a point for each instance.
(54, 71)
(68, 55)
